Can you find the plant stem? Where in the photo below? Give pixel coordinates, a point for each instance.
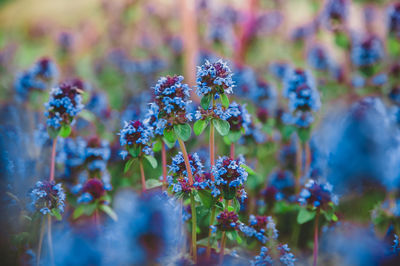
(194, 227)
(39, 252)
(232, 150)
(164, 164)
(96, 218)
(221, 253)
(298, 168)
(212, 218)
(315, 252)
(53, 158)
(50, 239)
(142, 177)
(187, 163)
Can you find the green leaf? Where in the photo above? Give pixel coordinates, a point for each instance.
(65, 131)
(183, 131)
(248, 169)
(157, 146)
(169, 135)
(87, 115)
(222, 126)
(199, 126)
(128, 165)
(234, 136)
(342, 40)
(206, 198)
(236, 205)
(168, 143)
(232, 235)
(205, 101)
(393, 46)
(107, 209)
(231, 209)
(53, 133)
(305, 216)
(56, 213)
(152, 183)
(78, 212)
(151, 160)
(224, 100)
(304, 134)
(134, 150)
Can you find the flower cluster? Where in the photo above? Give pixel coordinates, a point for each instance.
(261, 227)
(47, 197)
(178, 180)
(230, 177)
(303, 98)
(318, 58)
(265, 256)
(335, 13)
(64, 104)
(279, 69)
(97, 153)
(367, 52)
(318, 194)
(393, 14)
(93, 189)
(218, 112)
(280, 186)
(152, 120)
(295, 78)
(172, 98)
(238, 117)
(227, 221)
(40, 77)
(136, 135)
(214, 78)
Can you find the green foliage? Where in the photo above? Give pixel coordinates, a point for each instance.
(199, 126)
(305, 216)
(183, 131)
(205, 101)
(151, 160)
(224, 100)
(222, 126)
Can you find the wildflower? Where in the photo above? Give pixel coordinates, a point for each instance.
(172, 98)
(217, 112)
(214, 79)
(97, 153)
(135, 136)
(152, 120)
(92, 190)
(279, 69)
(39, 77)
(64, 104)
(335, 13)
(48, 197)
(238, 117)
(317, 57)
(227, 221)
(295, 78)
(393, 19)
(318, 194)
(230, 177)
(266, 258)
(178, 180)
(367, 52)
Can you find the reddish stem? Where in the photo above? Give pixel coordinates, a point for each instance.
(187, 163)
(232, 150)
(315, 252)
(143, 179)
(221, 254)
(53, 158)
(164, 164)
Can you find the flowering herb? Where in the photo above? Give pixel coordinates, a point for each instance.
(48, 198)
(64, 104)
(214, 81)
(335, 14)
(366, 53)
(227, 221)
(230, 177)
(239, 121)
(393, 20)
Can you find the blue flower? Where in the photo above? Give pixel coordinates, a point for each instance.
(214, 78)
(238, 117)
(317, 57)
(393, 19)
(318, 194)
(136, 134)
(48, 196)
(64, 104)
(367, 51)
(335, 13)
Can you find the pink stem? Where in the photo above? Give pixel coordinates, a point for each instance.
(315, 252)
(164, 164)
(232, 150)
(53, 157)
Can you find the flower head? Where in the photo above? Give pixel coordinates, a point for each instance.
(172, 98)
(393, 17)
(227, 221)
(136, 135)
(295, 78)
(230, 177)
(367, 51)
(47, 196)
(64, 104)
(152, 120)
(318, 194)
(92, 190)
(214, 78)
(317, 57)
(335, 13)
(238, 117)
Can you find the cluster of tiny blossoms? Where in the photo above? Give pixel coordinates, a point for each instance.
(92, 190)
(261, 227)
(303, 98)
(217, 111)
(48, 196)
(227, 221)
(367, 51)
(214, 78)
(153, 120)
(238, 117)
(230, 177)
(178, 178)
(335, 13)
(394, 19)
(39, 77)
(318, 194)
(136, 134)
(97, 153)
(265, 258)
(64, 104)
(171, 97)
